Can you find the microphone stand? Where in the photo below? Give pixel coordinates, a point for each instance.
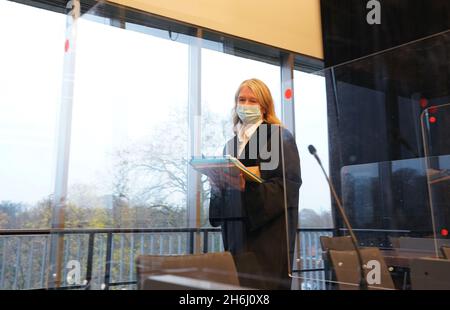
(362, 280)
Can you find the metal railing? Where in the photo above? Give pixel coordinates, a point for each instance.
(107, 256)
(308, 260)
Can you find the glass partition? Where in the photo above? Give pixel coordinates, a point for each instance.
(434, 122)
(387, 159)
(97, 174)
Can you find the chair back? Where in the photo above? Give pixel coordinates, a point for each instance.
(336, 243)
(445, 249)
(346, 268)
(214, 267)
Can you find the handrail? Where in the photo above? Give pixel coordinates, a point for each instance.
(48, 231)
(110, 232)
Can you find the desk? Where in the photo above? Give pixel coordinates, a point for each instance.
(403, 258)
(400, 261)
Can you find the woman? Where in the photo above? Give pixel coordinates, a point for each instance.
(255, 227)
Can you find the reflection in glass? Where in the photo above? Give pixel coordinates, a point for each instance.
(122, 166)
(389, 169)
(253, 216)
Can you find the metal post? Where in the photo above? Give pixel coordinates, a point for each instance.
(108, 261)
(63, 144)
(3, 262)
(121, 256)
(90, 259)
(179, 243)
(66, 255)
(100, 260)
(288, 119)
(131, 258)
(287, 91)
(170, 244)
(191, 242)
(43, 262)
(205, 241)
(30, 264)
(152, 244)
(193, 179)
(142, 244)
(18, 258)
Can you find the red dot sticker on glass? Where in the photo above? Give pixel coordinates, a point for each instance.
(423, 103)
(66, 46)
(432, 110)
(288, 93)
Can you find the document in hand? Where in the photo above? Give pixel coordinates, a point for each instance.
(224, 165)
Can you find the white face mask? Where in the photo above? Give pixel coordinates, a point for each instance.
(249, 114)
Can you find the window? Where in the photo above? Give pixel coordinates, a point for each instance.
(129, 131)
(30, 78)
(31, 60)
(312, 128)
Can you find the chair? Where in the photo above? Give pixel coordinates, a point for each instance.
(346, 268)
(214, 267)
(343, 243)
(445, 249)
(336, 243)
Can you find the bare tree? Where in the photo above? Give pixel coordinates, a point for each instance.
(153, 173)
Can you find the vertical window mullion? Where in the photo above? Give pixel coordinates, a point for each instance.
(287, 91)
(194, 142)
(63, 146)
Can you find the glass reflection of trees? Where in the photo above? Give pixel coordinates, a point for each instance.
(394, 199)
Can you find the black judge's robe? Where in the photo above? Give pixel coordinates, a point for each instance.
(253, 222)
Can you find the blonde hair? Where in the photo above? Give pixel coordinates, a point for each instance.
(265, 100)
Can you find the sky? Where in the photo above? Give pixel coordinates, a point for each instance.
(127, 84)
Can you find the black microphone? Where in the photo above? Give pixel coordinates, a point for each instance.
(313, 152)
(362, 280)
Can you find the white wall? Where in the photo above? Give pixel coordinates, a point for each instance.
(294, 25)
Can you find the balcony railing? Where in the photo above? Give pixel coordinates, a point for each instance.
(107, 256)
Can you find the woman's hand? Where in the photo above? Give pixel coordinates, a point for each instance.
(236, 181)
(216, 180)
(223, 180)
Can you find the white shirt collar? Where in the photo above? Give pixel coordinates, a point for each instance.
(243, 133)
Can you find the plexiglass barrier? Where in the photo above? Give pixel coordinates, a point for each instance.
(105, 197)
(389, 153)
